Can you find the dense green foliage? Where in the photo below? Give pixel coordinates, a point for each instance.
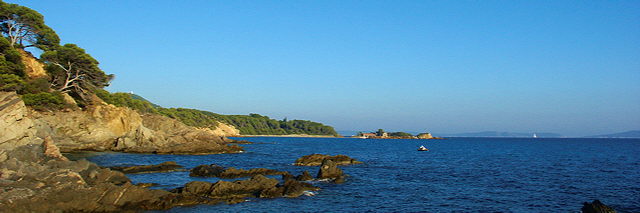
(74, 71)
(126, 100)
(44, 101)
(255, 124)
(252, 124)
(25, 27)
(400, 134)
(10, 60)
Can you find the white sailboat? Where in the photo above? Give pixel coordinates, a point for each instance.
(534, 135)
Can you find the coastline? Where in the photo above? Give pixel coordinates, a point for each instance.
(288, 136)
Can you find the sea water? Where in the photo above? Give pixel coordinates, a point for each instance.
(456, 175)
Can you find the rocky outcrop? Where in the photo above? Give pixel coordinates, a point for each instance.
(329, 170)
(226, 130)
(596, 207)
(425, 136)
(256, 186)
(103, 127)
(169, 166)
(31, 181)
(16, 127)
(317, 159)
(231, 172)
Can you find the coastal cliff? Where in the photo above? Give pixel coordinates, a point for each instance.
(104, 127)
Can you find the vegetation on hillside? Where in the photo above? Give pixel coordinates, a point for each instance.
(252, 124)
(70, 70)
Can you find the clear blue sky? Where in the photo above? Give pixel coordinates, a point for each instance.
(570, 67)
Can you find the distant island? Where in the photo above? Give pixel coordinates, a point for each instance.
(381, 134)
(627, 134)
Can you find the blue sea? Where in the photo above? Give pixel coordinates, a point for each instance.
(456, 175)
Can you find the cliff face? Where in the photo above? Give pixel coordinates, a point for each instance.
(104, 127)
(16, 127)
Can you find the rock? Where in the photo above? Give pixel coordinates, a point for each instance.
(206, 171)
(339, 180)
(169, 166)
(104, 127)
(242, 188)
(231, 172)
(425, 136)
(305, 176)
(146, 185)
(293, 188)
(33, 182)
(16, 126)
(51, 150)
(287, 176)
(316, 160)
(329, 170)
(596, 207)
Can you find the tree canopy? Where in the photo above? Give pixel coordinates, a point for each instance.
(25, 27)
(74, 71)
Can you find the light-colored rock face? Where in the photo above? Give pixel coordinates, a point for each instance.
(33, 67)
(226, 130)
(425, 136)
(16, 128)
(104, 127)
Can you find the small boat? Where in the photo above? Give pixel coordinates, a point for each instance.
(422, 148)
(534, 135)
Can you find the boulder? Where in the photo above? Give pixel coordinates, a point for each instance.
(596, 207)
(206, 171)
(329, 170)
(169, 166)
(316, 160)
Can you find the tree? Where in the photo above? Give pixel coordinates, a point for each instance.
(74, 71)
(380, 132)
(24, 26)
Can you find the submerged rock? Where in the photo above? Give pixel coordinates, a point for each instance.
(168, 166)
(596, 207)
(231, 172)
(316, 160)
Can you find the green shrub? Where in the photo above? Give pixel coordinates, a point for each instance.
(400, 134)
(36, 85)
(11, 82)
(44, 101)
(126, 100)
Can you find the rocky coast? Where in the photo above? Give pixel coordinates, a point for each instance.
(36, 177)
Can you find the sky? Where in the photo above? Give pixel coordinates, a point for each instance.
(568, 67)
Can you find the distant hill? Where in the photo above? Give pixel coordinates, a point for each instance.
(627, 134)
(503, 134)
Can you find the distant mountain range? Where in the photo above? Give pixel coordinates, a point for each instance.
(627, 134)
(502, 134)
